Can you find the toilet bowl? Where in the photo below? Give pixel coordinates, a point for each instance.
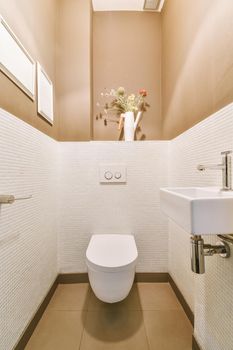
(111, 261)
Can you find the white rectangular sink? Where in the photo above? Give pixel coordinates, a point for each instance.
(199, 210)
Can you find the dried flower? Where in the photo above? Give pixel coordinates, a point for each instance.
(121, 91)
(143, 92)
(122, 103)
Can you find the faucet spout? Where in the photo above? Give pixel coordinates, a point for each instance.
(225, 166)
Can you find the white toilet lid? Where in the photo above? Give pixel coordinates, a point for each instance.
(111, 251)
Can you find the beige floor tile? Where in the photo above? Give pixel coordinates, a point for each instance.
(119, 330)
(157, 296)
(168, 330)
(132, 302)
(70, 297)
(58, 330)
(76, 316)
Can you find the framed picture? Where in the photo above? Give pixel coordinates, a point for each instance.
(45, 94)
(15, 62)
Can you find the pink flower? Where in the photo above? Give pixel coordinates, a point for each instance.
(143, 92)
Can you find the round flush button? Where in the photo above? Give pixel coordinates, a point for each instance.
(117, 176)
(108, 175)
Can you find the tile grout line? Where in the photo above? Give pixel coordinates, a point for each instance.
(88, 301)
(48, 297)
(81, 338)
(147, 337)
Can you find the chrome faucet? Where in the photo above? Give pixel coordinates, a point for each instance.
(225, 166)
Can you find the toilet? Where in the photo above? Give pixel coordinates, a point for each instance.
(111, 261)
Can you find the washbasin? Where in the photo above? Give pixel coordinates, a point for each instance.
(199, 210)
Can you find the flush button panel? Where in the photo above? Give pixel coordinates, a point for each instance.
(112, 173)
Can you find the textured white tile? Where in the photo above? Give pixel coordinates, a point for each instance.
(68, 199)
(214, 303)
(210, 296)
(88, 207)
(179, 262)
(28, 233)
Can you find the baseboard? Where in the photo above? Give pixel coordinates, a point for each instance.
(35, 320)
(195, 345)
(156, 277)
(182, 300)
(69, 278)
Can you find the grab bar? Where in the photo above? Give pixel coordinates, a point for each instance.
(10, 199)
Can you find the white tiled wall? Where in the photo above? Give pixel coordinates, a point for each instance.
(28, 243)
(88, 207)
(209, 295)
(68, 199)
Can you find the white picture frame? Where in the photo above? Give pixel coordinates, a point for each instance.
(15, 61)
(45, 100)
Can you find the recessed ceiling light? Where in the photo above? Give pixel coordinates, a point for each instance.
(153, 5)
(127, 5)
(118, 5)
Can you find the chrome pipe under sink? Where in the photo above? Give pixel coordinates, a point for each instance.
(199, 250)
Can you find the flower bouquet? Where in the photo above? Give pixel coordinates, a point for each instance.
(124, 110)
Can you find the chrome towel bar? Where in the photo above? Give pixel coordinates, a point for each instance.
(10, 199)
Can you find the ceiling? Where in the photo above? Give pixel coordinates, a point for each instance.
(127, 5)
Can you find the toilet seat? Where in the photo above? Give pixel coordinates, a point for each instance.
(111, 252)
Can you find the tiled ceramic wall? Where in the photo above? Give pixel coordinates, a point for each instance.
(28, 244)
(68, 199)
(210, 295)
(64, 176)
(88, 207)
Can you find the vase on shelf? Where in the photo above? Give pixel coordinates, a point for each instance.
(129, 126)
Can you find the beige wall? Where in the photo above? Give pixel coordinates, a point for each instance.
(127, 52)
(74, 69)
(197, 68)
(34, 22)
(197, 61)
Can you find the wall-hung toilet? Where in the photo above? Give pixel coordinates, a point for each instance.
(111, 261)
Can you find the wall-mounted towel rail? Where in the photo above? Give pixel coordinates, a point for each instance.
(9, 199)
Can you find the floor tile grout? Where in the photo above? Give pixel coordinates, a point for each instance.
(84, 322)
(149, 314)
(80, 342)
(147, 338)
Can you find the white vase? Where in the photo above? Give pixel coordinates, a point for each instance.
(129, 126)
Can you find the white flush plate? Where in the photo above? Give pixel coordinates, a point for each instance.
(112, 173)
